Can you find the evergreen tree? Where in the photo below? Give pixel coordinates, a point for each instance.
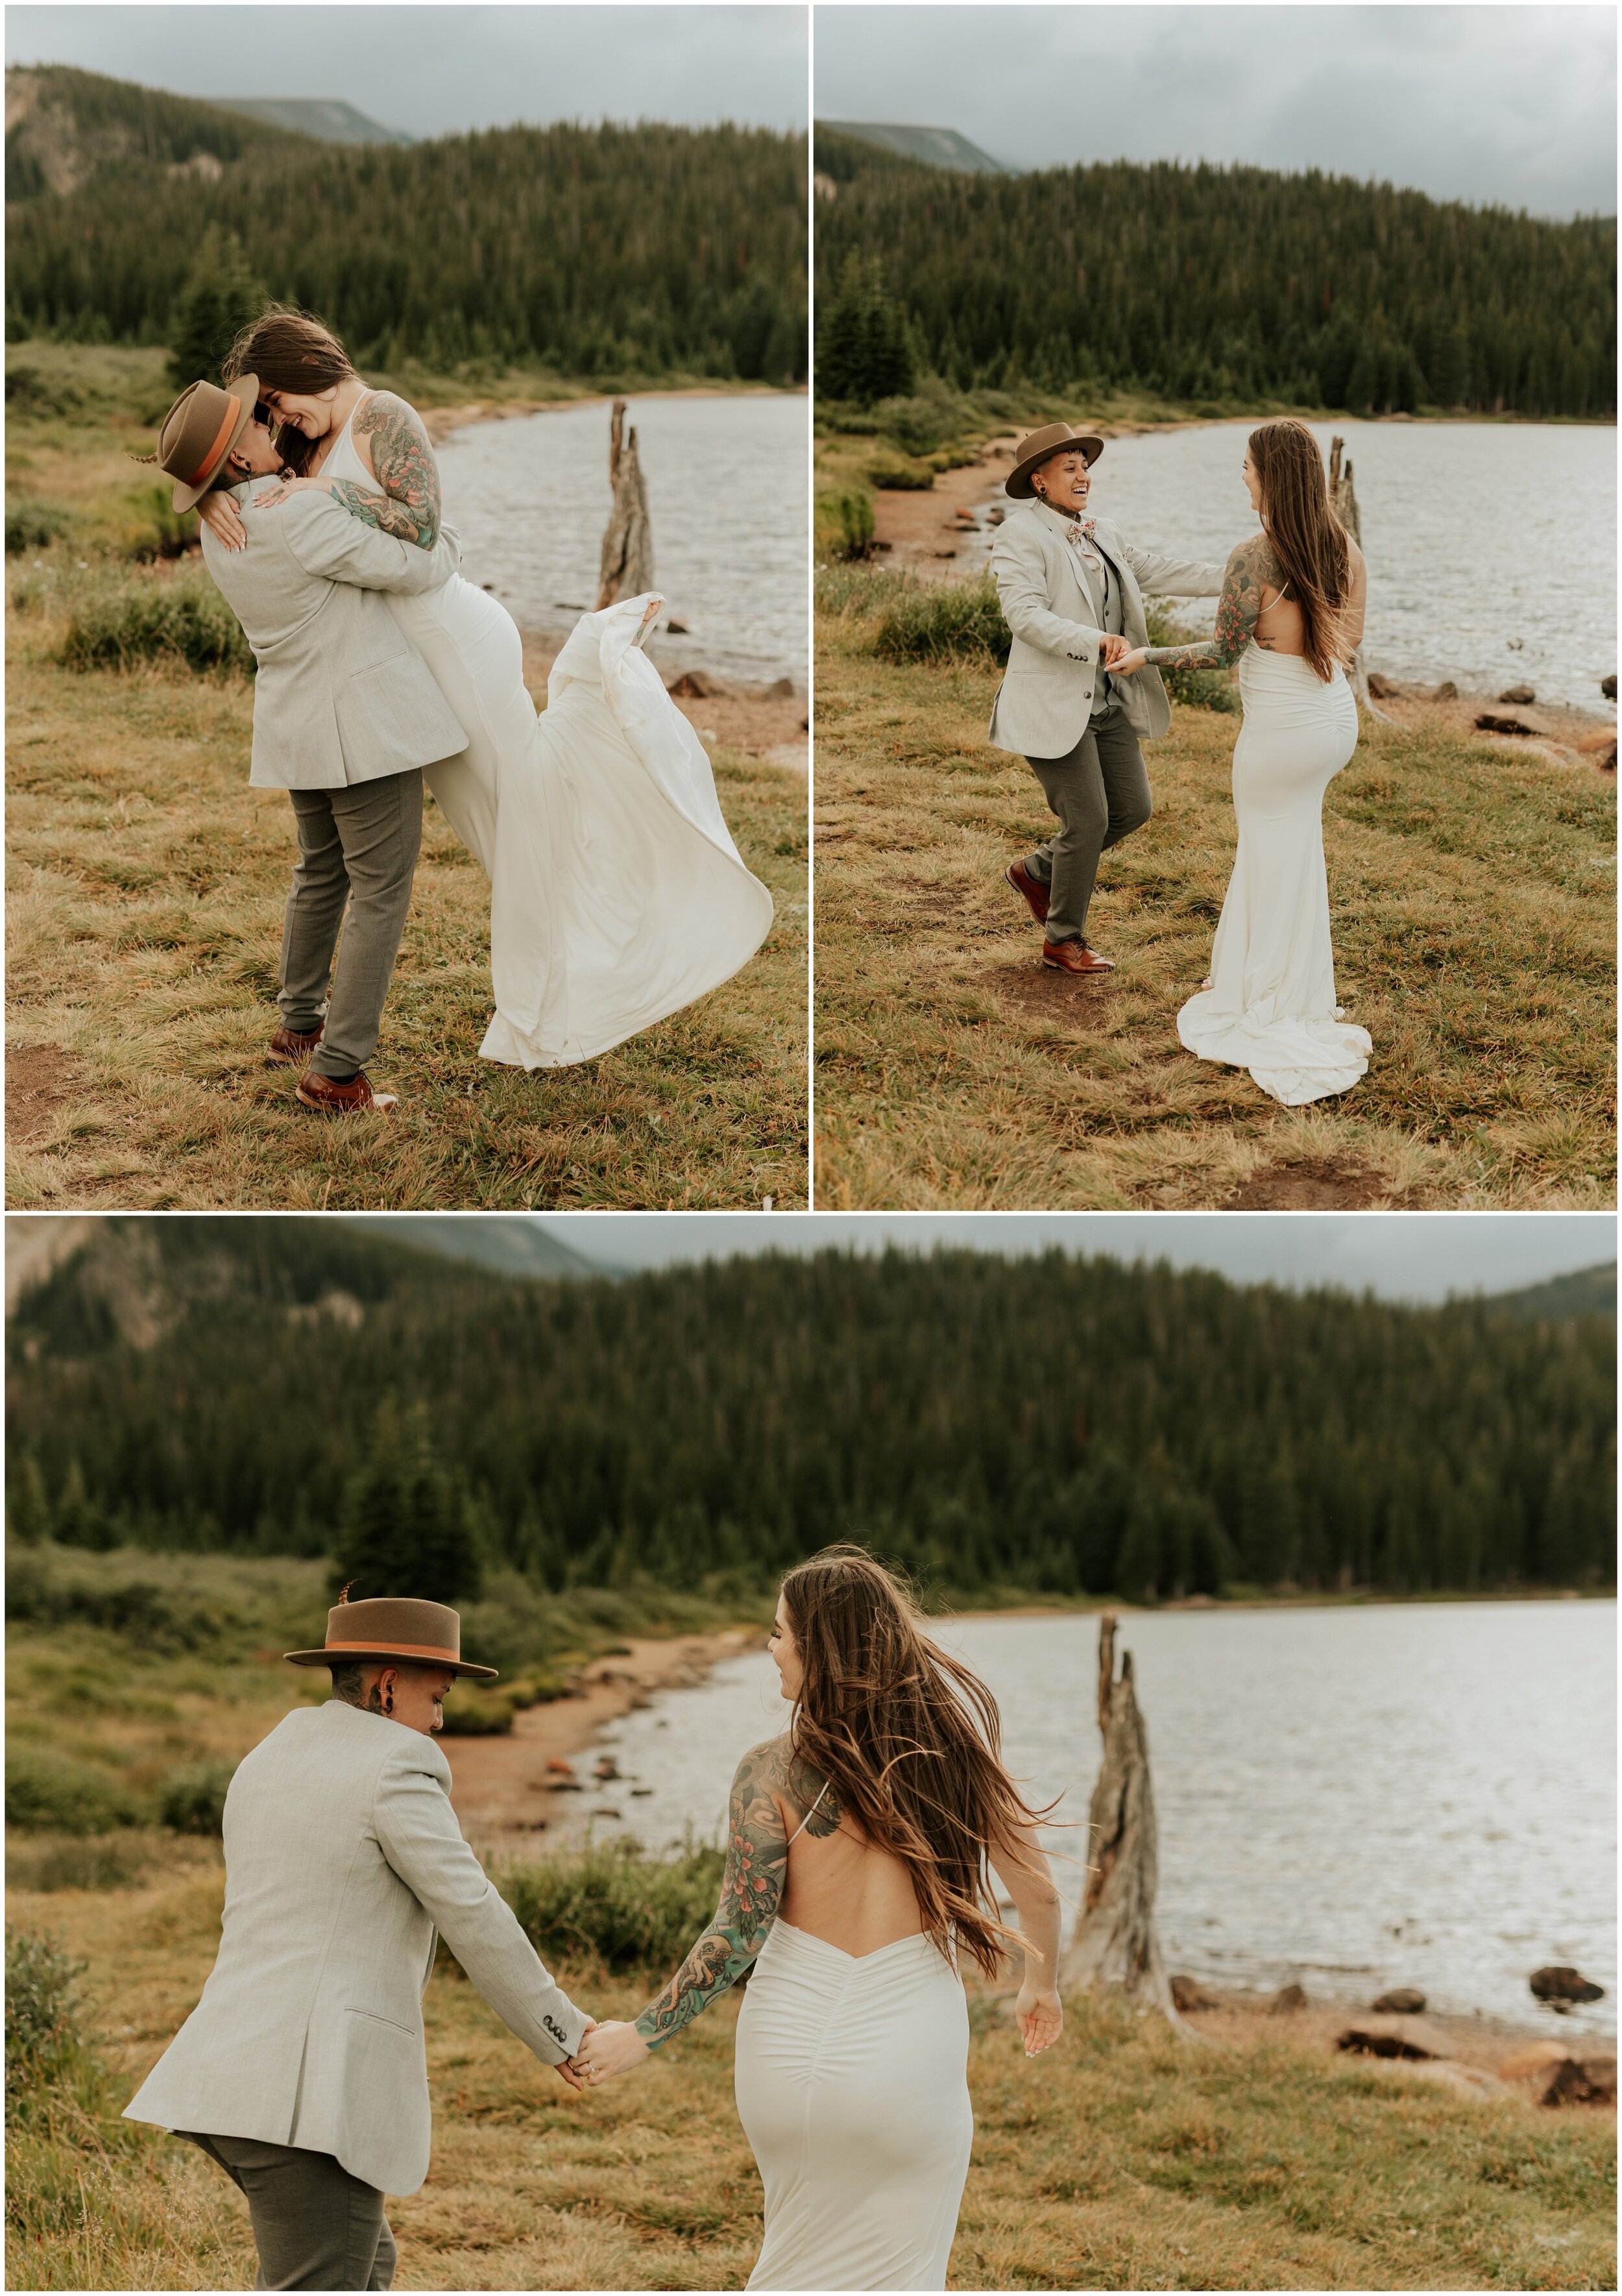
(405, 1528)
(865, 354)
(28, 1513)
(78, 1521)
(220, 297)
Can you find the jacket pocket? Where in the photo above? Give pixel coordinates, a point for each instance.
(395, 709)
(375, 2017)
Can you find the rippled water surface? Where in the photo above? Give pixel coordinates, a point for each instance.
(726, 481)
(1492, 546)
(1352, 1798)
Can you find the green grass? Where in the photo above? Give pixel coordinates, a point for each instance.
(1122, 2159)
(1473, 902)
(147, 890)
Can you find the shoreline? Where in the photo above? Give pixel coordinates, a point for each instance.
(942, 533)
(500, 1789)
(440, 421)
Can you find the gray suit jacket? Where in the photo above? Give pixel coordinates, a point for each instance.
(343, 1855)
(1046, 695)
(341, 695)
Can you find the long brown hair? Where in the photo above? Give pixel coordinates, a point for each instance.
(1314, 550)
(289, 350)
(910, 1742)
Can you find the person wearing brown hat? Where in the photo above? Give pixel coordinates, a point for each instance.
(346, 714)
(1071, 588)
(301, 2071)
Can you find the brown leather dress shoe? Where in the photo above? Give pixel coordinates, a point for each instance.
(1034, 891)
(1074, 956)
(356, 1098)
(290, 1044)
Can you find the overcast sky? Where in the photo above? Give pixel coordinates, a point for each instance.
(1515, 106)
(1399, 1255)
(437, 70)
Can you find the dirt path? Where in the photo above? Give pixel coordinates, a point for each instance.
(501, 1788)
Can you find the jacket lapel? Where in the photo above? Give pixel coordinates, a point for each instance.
(1060, 527)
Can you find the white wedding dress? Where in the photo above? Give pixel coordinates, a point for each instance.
(852, 2087)
(616, 895)
(1271, 1003)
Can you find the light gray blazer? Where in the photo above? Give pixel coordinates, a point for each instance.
(343, 1855)
(341, 695)
(1046, 694)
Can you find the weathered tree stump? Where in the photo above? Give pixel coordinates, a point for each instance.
(1343, 502)
(628, 546)
(1114, 1950)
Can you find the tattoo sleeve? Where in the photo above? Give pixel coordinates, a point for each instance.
(403, 461)
(757, 1867)
(1237, 611)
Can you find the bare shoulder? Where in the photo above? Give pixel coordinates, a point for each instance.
(764, 1770)
(385, 411)
(1252, 561)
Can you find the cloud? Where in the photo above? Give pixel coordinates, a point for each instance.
(1514, 106)
(437, 70)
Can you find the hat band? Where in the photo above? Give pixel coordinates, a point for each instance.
(218, 448)
(398, 1650)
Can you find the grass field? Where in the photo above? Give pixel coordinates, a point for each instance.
(145, 898)
(1473, 898)
(1123, 2159)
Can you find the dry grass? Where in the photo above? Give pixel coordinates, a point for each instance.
(1124, 2160)
(145, 898)
(1472, 896)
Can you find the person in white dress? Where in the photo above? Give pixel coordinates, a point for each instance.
(617, 894)
(861, 1848)
(1291, 614)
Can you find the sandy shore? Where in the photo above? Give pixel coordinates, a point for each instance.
(439, 421)
(502, 1790)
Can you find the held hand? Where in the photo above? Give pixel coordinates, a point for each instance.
(569, 2069)
(1041, 2016)
(287, 487)
(1127, 665)
(610, 2048)
(224, 520)
(1115, 646)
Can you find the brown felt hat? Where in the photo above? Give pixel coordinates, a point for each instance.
(1036, 446)
(393, 1627)
(199, 430)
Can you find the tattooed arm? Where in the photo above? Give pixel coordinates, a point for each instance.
(403, 464)
(1251, 565)
(770, 1781)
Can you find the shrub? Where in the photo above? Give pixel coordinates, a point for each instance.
(50, 1792)
(123, 621)
(151, 528)
(942, 621)
(614, 1903)
(34, 525)
(103, 1862)
(29, 391)
(44, 2046)
(855, 513)
(901, 477)
(193, 1800)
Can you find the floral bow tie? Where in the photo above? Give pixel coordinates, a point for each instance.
(1079, 534)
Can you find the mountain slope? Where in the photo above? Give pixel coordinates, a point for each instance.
(1216, 285)
(209, 1383)
(1590, 1291)
(938, 147)
(65, 129)
(509, 1244)
(330, 121)
(607, 252)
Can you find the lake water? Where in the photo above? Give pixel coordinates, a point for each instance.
(727, 497)
(1350, 1799)
(1492, 546)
